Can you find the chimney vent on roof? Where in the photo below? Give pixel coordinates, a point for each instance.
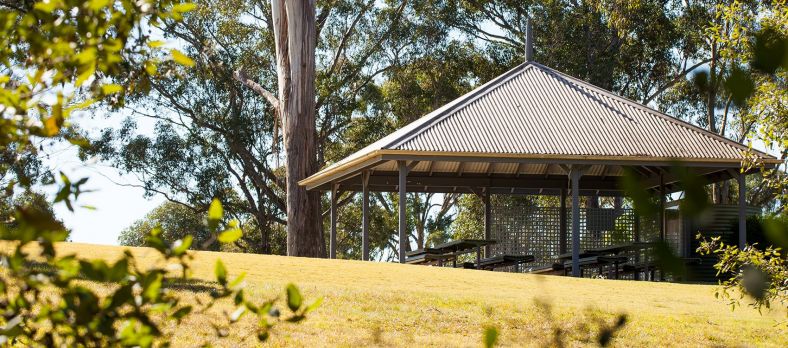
(529, 41)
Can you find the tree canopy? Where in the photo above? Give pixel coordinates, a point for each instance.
(380, 65)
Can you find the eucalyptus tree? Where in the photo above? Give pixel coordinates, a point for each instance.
(219, 125)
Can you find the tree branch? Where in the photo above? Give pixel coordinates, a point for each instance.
(240, 76)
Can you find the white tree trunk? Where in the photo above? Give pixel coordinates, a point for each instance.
(294, 33)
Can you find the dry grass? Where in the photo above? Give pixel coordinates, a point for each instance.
(400, 305)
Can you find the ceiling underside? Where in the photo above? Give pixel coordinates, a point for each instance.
(517, 178)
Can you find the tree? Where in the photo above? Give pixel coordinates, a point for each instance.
(215, 135)
(50, 50)
(176, 222)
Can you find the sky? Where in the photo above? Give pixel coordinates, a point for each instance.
(116, 206)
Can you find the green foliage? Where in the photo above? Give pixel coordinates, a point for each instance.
(490, 337)
(761, 274)
(45, 302)
(176, 221)
(51, 50)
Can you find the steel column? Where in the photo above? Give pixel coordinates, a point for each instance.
(742, 210)
(661, 208)
(562, 221)
(487, 222)
(365, 216)
(575, 178)
(333, 239)
(403, 235)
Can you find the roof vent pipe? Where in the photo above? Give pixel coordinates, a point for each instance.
(529, 41)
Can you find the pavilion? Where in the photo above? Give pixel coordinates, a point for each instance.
(535, 130)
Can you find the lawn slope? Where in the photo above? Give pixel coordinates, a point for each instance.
(383, 304)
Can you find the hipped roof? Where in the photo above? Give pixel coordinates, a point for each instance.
(535, 112)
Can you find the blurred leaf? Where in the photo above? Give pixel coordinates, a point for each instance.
(294, 298)
(754, 281)
(667, 261)
(490, 337)
(230, 235)
(642, 200)
(606, 333)
(181, 58)
(314, 305)
(776, 232)
(184, 7)
(701, 81)
(740, 86)
(221, 272)
(111, 88)
(770, 51)
(180, 247)
(152, 286)
(695, 200)
(181, 312)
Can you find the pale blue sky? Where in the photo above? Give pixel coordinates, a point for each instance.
(116, 206)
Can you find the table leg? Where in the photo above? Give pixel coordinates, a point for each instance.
(478, 257)
(616, 271)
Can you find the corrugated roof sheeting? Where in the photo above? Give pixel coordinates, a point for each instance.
(535, 112)
(540, 111)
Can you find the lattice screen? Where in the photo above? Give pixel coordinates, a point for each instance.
(528, 230)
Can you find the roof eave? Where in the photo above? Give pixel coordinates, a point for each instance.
(354, 167)
(343, 171)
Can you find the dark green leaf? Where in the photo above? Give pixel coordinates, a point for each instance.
(294, 298)
(490, 337)
(221, 273)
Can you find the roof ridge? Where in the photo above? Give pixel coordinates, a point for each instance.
(661, 115)
(459, 103)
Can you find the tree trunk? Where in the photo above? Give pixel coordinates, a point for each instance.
(294, 33)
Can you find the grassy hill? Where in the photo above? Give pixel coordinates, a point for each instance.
(367, 303)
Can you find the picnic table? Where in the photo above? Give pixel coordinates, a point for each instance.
(493, 262)
(607, 255)
(618, 248)
(448, 252)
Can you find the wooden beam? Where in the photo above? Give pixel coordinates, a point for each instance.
(605, 171)
(490, 168)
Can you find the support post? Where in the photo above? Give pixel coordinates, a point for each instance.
(487, 221)
(403, 235)
(332, 253)
(365, 216)
(742, 210)
(562, 220)
(575, 174)
(661, 207)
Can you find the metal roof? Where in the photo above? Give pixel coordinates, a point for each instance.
(533, 111)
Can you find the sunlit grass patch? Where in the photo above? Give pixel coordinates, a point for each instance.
(367, 303)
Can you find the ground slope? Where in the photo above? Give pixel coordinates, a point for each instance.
(370, 303)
